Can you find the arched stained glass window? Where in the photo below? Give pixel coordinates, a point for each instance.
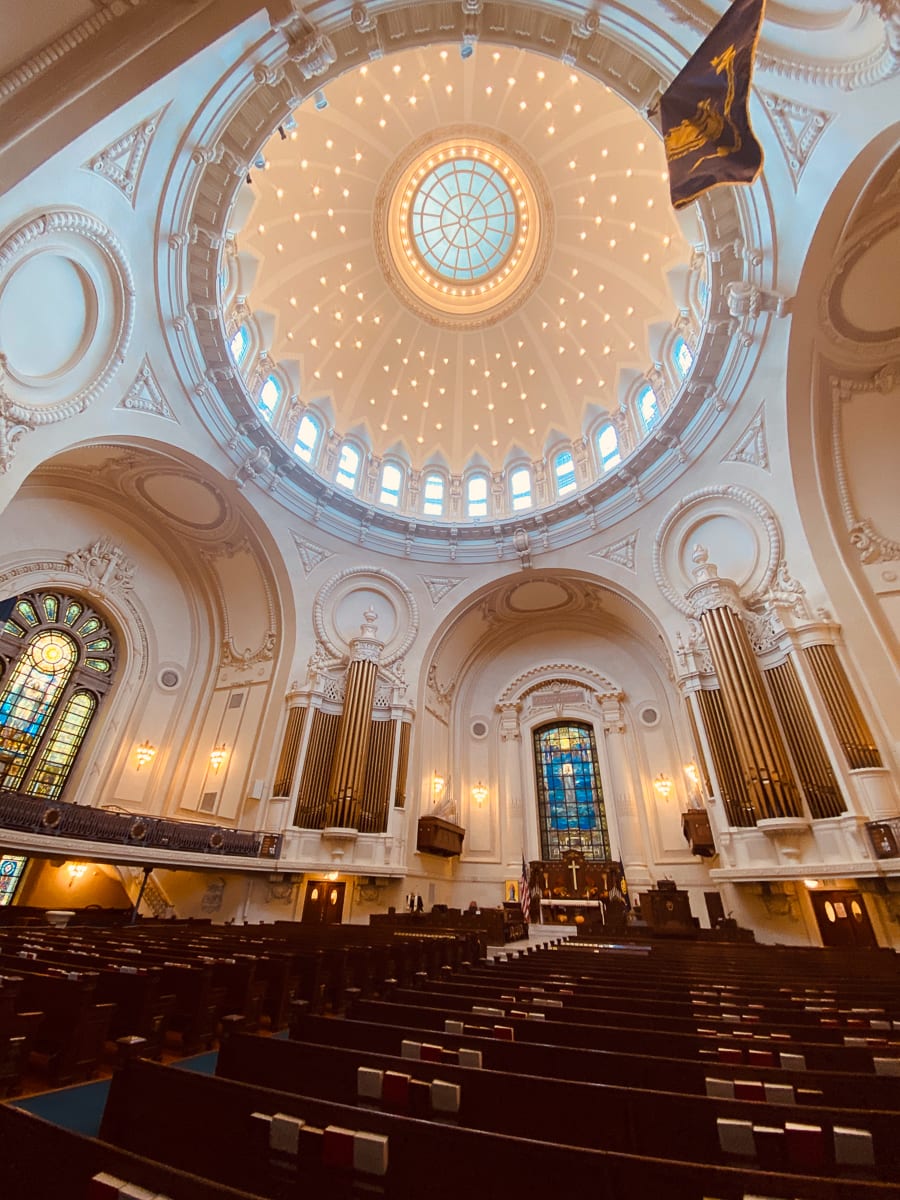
(11, 868)
(564, 469)
(391, 480)
(240, 344)
(571, 811)
(683, 357)
(520, 487)
(348, 466)
(433, 504)
(269, 395)
(476, 496)
(307, 438)
(608, 447)
(59, 657)
(648, 407)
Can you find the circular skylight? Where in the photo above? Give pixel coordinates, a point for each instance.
(462, 219)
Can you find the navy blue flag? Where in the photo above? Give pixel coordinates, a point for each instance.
(6, 607)
(705, 123)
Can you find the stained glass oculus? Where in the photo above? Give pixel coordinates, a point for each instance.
(463, 219)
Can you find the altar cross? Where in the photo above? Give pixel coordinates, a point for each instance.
(573, 867)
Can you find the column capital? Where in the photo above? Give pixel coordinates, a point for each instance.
(367, 647)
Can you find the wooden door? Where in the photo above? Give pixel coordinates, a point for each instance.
(842, 918)
(324, 902)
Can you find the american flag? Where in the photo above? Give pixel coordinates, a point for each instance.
(525, 891)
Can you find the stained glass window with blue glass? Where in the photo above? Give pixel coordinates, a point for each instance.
(570, 796)
(11, 868)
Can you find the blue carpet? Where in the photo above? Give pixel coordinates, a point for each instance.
(79, 1108)
(203, 1064)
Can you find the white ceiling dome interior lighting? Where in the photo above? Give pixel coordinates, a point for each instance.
(460, 268)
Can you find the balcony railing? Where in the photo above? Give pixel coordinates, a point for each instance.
(885, 837)
(32, 814)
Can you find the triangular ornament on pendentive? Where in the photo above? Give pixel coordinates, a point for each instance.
(752, 447)
(310, 554)
(145, 395)
(438, 586)
(797, 128)
(122, 161)
(621, 552)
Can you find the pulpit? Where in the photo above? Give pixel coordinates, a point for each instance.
(667, 911)
(437, 836)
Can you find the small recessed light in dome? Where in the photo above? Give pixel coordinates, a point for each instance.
(666, 240)
(420, 440)
(523, 104)
(449, 89)
(548, 104)
(313, 341)
(645, 257)
(476, 427)
(294, 301)
(489, 91)
(604, 153)
(382, 123)
(551, 129)
(576, 108)
(439, 426)
(443, 55)
(296, 216)
(612, 243)
(606, 349)
(317, 374)
(543, 404)
(628, 172)
(304, 163)
(383, 427)
(426, 78)
(359, 99)
(582, 351)
(387, 97)
(260, 229)
(290, 336)
(629, 311)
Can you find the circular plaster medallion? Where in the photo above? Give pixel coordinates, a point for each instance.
(48, 316)
(863, 299)
(339, 608)
(735, 526)
(66, 314)
(463, 226)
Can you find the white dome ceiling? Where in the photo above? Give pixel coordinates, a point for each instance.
(401, 380)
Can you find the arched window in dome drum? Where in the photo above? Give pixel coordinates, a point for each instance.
(433, 505)
(240, 344)
(564, 469)
(571, 811)
(307, 438)
(269, 396)
(61, 657)
(476, 496)
(520, 487)
(648, 407)
(348, 467)
(608, 447)
(391, 480)
(682, 356)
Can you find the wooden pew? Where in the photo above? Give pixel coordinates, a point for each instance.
(635, 1121)
(151, 1106)
(43, 1160)
(664, 1074)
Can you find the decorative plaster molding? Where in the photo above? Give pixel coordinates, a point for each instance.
(242, 659)
(310, 554)
(752, 447)
(30, 70)
(622, 552)
(122, 161)
(871, 545)
(438, 586)
(798, 129)
(83, 235)
(361, 578)
(145, 395)
(880, 63)
(549, 674)
(840, 329)
(706, 497)
(104, 565)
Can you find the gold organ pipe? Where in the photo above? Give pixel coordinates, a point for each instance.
(290, 746)
(402, 765)
(378, 777)
(738, 803)
(843, 707)
(816, 776)
(348, 774)
(316, 768)
(761, 748)
(698, 745)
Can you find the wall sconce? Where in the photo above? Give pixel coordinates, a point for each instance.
(76, 871)
(479, 793)
(693, 774)
(331, 876)
(438, 783)
(218, 756)
(663, 786)
(811, 884)
(143, 754)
